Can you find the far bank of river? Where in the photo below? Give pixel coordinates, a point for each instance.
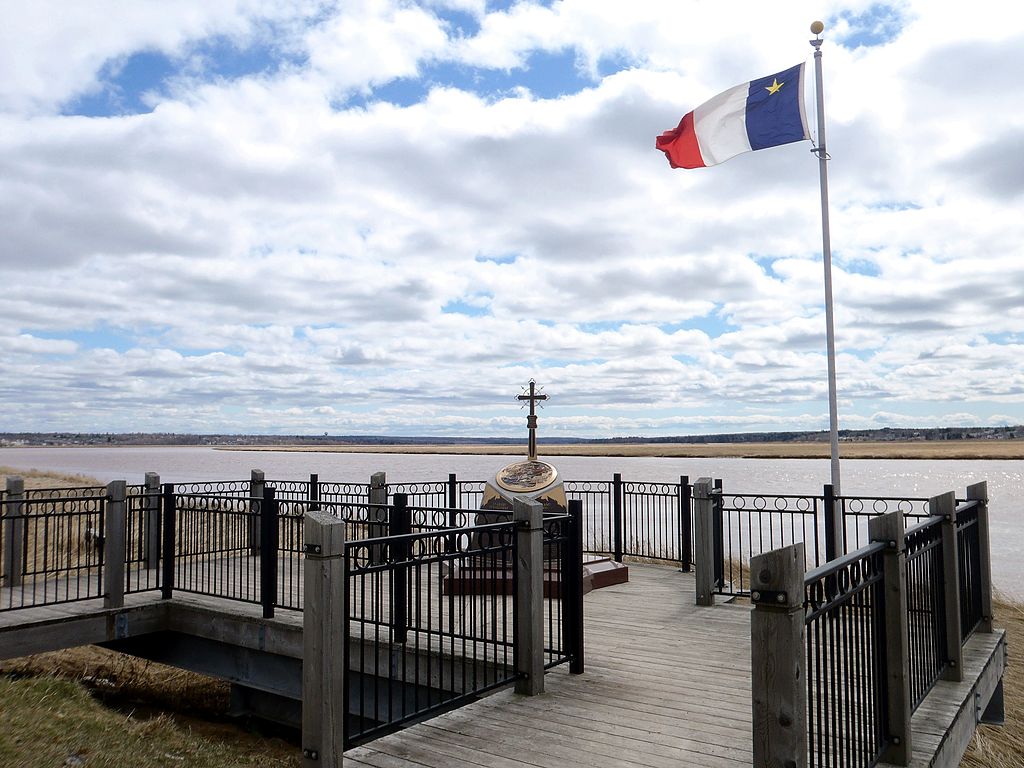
(861, 477)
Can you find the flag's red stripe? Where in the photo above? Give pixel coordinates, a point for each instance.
(680, 146)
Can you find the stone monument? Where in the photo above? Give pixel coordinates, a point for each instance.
(530, 480)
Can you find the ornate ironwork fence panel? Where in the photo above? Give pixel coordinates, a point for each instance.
(217, 542)
(142, 539)
(845, 647)
(52, 543)
(857, 510)
(596, 497)
(652, 522)
(430, 619)
(926, 607)
(750, 524)
(969, 554)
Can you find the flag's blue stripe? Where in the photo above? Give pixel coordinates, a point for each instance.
(774, 118)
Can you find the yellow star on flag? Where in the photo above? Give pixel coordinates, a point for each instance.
(775, 86)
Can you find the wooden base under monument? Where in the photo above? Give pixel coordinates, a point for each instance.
(598, 572)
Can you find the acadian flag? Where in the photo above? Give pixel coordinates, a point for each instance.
(756, 115)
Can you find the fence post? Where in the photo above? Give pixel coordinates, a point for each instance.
(572, 584)
(529, 627)
(834, 525)
(617, 517)
(323, 641)
(151, 520)
(114, 545)
(167, 525)
(314, 492)
(377, 516)
(979, 492)
(453, 491)
(703, 537)
(777, 648)
(268, 552)
(719, 536)
(945, 505)
(685, 531)
(893, 636)
(257, 484)
(14, 531)
(400, 526)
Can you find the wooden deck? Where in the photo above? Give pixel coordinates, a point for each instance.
(667, 683)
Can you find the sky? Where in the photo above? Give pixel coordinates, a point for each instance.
(385, 217)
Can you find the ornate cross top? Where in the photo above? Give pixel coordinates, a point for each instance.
(531, 421)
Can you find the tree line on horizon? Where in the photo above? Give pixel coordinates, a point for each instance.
(885, 434)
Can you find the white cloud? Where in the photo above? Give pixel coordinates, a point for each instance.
(257, 253)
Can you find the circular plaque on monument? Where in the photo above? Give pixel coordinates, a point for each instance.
(526, 476)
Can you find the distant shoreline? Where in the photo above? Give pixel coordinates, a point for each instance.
(934, 449)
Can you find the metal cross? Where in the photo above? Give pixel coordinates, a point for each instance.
(531, 421)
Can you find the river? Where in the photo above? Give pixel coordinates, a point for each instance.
(867, 477)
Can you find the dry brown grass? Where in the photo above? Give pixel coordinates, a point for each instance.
(952, 449)
(1003, 746)
(35, 478)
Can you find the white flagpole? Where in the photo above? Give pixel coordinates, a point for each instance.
(826, 252)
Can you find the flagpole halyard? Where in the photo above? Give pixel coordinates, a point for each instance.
(826, 252)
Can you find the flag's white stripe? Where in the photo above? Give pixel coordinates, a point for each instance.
(721, 125)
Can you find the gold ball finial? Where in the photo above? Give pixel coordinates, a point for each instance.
(817, 27)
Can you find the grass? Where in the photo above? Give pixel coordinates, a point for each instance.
(1003, 746)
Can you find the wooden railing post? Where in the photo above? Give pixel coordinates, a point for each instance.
(945, 505)
(323, 641)
(529, 627)
(617, 517)
(778, 685)
(151, 520)
(685, 531)
(378, 514)
(889, 529)
(114, 545)
(703, 540)
(14, 531)
(257, 482)
(979, 492)
(572, 584)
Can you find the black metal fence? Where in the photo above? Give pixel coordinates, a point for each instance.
(970, 570)
(845, 660)
(52, 543)
(926, 607)
(855, 664)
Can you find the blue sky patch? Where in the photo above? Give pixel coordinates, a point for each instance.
(473, 306)
(878, 25)
(127, 83)
(119, 340)
(546, 74)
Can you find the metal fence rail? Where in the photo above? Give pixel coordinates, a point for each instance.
(970, 571)
(845, 660)
(926, 607)
(52, 548)
(430, 624)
